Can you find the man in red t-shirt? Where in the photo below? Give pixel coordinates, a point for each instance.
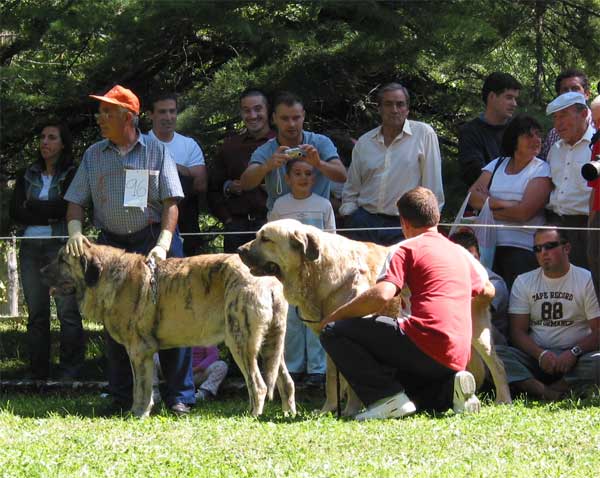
(418, 360)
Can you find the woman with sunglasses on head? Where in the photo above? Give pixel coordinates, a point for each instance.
(38, 206)
(518, 186)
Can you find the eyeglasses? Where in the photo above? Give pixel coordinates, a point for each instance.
(547, 246)
(105, 115)
(397, 104)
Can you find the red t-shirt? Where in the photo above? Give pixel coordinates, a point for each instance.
(595, 184)
(442, 280)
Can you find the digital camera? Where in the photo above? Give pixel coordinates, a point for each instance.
(591, 170)
(295, 153)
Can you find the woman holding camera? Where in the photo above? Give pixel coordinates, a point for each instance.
(518, 186)
(38, 205)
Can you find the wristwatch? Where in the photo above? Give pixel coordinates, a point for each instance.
(576, 351)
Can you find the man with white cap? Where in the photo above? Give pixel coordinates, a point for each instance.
(568, 204)
(567, 80)
(131, 181)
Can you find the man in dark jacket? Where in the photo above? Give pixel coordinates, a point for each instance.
(479, 139)
(240, 210)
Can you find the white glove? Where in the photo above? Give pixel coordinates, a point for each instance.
(77, 241)
(347, 208)
(159, 252)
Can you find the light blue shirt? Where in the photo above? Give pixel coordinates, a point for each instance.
(275, 180)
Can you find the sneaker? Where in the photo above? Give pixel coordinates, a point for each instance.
(464, 400)
(396, 406)
(180, 409)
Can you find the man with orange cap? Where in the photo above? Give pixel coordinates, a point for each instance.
(131, 180)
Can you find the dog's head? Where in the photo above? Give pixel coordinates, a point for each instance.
(280, 248)
(68, 274)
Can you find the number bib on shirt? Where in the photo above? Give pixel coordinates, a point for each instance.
(136, 188)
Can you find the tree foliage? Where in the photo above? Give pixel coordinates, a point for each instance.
(333, 53)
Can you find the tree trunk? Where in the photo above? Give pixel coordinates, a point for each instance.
(13, 279)
(540, 9)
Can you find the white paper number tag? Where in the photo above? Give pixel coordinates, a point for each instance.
(136, 188)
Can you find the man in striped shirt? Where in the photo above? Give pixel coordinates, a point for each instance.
(131, 181)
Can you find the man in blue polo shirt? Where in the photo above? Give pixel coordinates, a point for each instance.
(268, 161)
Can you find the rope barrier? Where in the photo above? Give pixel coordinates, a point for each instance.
(441, 224)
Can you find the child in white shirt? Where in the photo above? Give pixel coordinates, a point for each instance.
(303, 351)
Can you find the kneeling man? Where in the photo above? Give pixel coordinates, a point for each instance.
(554, 324)
(418, 360)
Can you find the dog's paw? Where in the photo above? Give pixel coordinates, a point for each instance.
(328, 407)
(351, 410)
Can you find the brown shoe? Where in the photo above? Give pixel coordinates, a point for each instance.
(180, 409)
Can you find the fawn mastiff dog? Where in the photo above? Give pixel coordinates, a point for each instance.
(321, 271)
(199, 300)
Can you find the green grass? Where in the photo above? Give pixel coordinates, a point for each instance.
(62, 436)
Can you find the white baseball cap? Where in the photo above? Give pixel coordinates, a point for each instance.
(565, 100)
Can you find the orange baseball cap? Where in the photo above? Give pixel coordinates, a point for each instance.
(118, 95)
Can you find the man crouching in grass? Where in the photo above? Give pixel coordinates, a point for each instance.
(400, 365)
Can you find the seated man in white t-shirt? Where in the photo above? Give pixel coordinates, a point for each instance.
(554, 324)
(190, 165)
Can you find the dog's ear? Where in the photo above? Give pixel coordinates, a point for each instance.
(307, 243)
(91, 270)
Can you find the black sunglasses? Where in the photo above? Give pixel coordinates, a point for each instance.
(547, 246)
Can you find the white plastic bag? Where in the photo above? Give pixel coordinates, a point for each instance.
(460, 217)
(486, 236)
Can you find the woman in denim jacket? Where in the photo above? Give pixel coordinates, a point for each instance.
(38, 205)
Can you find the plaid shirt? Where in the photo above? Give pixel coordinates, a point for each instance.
(551, 138)
(101, 179)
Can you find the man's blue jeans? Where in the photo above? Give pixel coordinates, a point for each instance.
(303, 351)
(35, 254)
(176, 364)
(364, 219)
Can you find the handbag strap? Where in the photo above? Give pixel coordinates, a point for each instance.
(500, 161)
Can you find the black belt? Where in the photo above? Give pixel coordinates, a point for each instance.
(134, 237)
(388, 217)
(566, 217)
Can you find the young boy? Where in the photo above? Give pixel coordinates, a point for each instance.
(499, 305)
(303, 352)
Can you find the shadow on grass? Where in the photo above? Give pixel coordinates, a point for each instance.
(65, 403)
(591, 398)
(94, 406)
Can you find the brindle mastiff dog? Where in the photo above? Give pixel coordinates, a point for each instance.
(198, 300)
(321, 271)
